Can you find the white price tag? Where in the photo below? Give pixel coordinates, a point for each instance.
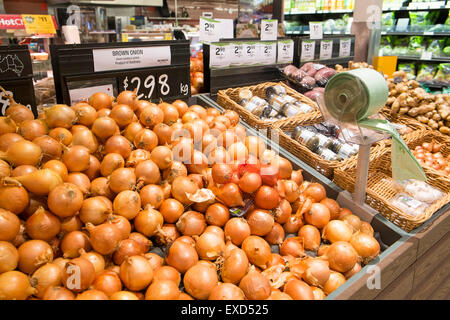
(237, 56)
(226, 28)
(402, 25)
(308, 48)
(269, 30)
(285, 51)
(267, 53)
(345, 47)
(219, 56)
(426, 55)
(315, 30)
(326, 49)
(428, 33)
(209, 30)
(130, 58)
(83, 94)
(251, 53)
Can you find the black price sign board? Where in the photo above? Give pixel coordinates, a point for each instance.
(16, 77)
(156, 69)
(158, 83)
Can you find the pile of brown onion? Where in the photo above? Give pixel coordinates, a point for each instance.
(88, 193)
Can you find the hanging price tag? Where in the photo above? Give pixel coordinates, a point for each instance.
(315, 30)
(236, 51)
(251, 53)
(285, 51)
(345, 47)
(267, 53)
(426, 55)
(269, 30)
(326, 49)
(308, 48)
(35, 23)
(83, 94)
(209, 30)
(219, 56)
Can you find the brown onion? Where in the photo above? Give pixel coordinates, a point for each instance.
(104, 127)
(23, 152)
(65, 200)
(310, 237)
(167, 273)
(95, 258)
(122, 115)
(111, 162)
(257, 250)
(78, 275)
(127, 204)
(105, 238)
(293, 224)
(122, 179)
(162, 290)
(92, 295)
(128, 98)
(71, 224)
(48, 275)
(151, 116)
(8, 139)
(14, 199)
(86, 139)
(9, 257)
(136, 273)
(366, 246)
(292, 247)
(33, 254)
(181, 256)
(181, 186)
(237, 230)
(318, 216)
(333, 206)
(76, 158)
(191, 223)
(298, 290)
(260, 222)
(335, 280)
(61, 135)
(235, 266)
(315, 191)
(341, 256)
(200, 280)
(100, 187)
(51, 149)
(95, 210)
(19, 113)
(57, 166)
(337, 230)
(136, 157)
(80, 180)
(123, 295)
(155, 260)
(148, 221)
(276, 235)
(366, 228)
(226, 291)
(86, 115)
(60, 115)
(131, 130)
(267, 198)
(118, 144)
(107, 282)
(32, 129)
(217, 214)
(73, 242)
(147, 172)
(171, 210)
(100, 100)
(122, 224)
(15, 285)
(176, 169)
(354, 221)
(94, 168)
(127, 248)
(42, 225)
(209, 246)
(255, 286)
(167, 234)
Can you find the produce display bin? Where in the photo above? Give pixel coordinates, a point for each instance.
(402, 266)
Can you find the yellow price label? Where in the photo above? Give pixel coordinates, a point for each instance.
(168, 36)
(35, 23)
(124, 37)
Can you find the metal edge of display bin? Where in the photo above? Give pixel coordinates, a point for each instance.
(405, 248)
(396, 234)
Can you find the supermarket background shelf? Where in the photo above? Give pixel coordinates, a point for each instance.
(418, 58)
(418, 33)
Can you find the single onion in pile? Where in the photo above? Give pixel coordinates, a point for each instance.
(124, 199)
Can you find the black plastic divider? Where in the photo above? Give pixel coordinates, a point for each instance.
(16, 76)
(75, 63)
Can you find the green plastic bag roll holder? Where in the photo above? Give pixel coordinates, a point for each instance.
(352, 100)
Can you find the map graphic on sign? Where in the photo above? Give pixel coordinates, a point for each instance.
(11, 63)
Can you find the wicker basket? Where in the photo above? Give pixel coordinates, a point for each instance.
(380, 190)
(229, 99)
(324, 167)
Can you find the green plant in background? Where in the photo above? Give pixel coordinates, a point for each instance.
(409, 68)
(416, 45)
